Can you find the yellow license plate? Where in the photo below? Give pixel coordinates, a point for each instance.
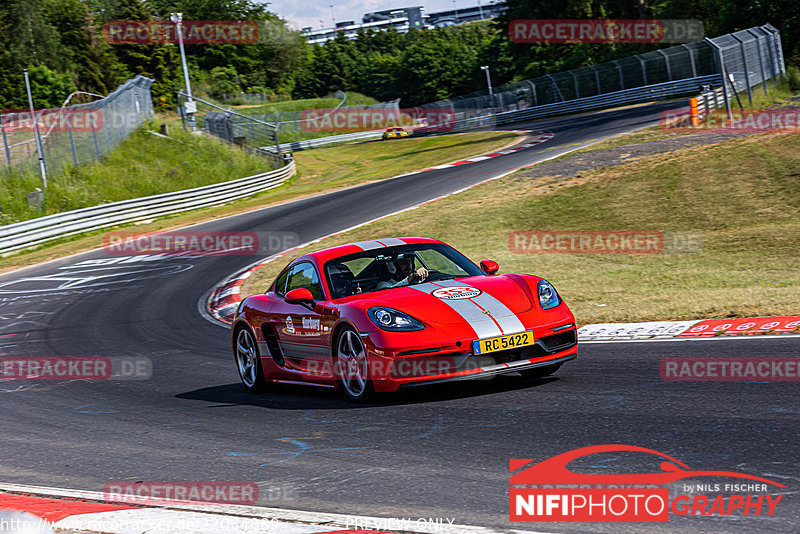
(508, 341)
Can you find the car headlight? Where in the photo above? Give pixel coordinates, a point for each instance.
(393, 320)
(548, 298)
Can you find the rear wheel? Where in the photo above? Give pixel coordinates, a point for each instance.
(352, 367)
(248, 361)
(540, 372)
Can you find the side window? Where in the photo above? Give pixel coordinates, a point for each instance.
(305, 275)
(280, 284)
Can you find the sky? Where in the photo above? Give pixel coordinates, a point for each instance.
(318, 13)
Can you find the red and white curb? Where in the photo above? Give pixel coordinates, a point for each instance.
(87, 511)
(543, 137)
(699, 329)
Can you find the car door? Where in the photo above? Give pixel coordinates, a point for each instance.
(302, 334)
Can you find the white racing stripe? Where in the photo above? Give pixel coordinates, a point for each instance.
(482, 325)
(368, 245)
(379, 243)
(507, 319)
(391, 241)
(487, 316)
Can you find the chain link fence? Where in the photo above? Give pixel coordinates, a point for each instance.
(270, 129)
(748, 58)
(74, 135)
(744, 59)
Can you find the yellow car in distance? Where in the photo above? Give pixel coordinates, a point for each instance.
(395, 133)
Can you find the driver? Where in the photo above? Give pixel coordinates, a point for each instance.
(404, 273)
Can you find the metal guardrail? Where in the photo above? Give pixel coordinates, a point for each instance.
(327, 140)
(26, 234)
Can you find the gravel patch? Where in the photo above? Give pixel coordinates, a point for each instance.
(575, 164)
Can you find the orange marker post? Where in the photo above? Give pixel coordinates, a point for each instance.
(694, 113)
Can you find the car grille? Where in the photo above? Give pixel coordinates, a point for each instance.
(462, 361)
(544, 346)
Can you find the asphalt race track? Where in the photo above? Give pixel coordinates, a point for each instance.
(432, 453)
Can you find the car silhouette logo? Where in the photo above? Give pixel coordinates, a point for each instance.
(554, 470)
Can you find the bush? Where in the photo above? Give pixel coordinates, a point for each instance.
(793, 78)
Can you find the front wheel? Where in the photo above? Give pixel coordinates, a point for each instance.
(540, 372)
(248, 361)
(352, 367)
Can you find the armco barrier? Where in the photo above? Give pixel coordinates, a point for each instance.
(327, 140)
(27, 234)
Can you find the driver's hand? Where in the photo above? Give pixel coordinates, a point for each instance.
(418, 275)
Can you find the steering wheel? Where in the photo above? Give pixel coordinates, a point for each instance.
(434, 275)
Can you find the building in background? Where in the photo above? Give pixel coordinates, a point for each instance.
(404, 18)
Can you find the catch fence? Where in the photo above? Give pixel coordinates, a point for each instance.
(737, 62)
(74, 135)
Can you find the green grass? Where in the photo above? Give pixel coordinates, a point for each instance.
(344, 165)
(743, 196)
(306, 103)
(142, 165)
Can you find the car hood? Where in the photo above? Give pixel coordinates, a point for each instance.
(475, 298)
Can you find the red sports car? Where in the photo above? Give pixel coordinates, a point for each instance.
(377, 316)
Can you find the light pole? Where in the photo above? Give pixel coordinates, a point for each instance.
(485, 68)
(39, 149)
(190, 107)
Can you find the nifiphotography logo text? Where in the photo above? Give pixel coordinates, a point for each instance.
(549, 491)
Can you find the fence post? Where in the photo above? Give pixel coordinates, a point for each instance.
(575, 81)
(621, 77)
(778, 49)
(533, 92)
(72, 143)
(555, 87)
(691, 60)
(644, 73)
(773, 67)
(596, 79)
(106, 114)
(746, 69)
(760, 62)
(5, 140)
(666, 63)
(94, 138)
(723, 73)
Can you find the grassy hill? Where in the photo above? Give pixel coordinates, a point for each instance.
(742, 196)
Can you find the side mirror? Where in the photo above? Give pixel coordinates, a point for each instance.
(489, 267)
(300, 296)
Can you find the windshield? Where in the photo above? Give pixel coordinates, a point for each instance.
(387, 268)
